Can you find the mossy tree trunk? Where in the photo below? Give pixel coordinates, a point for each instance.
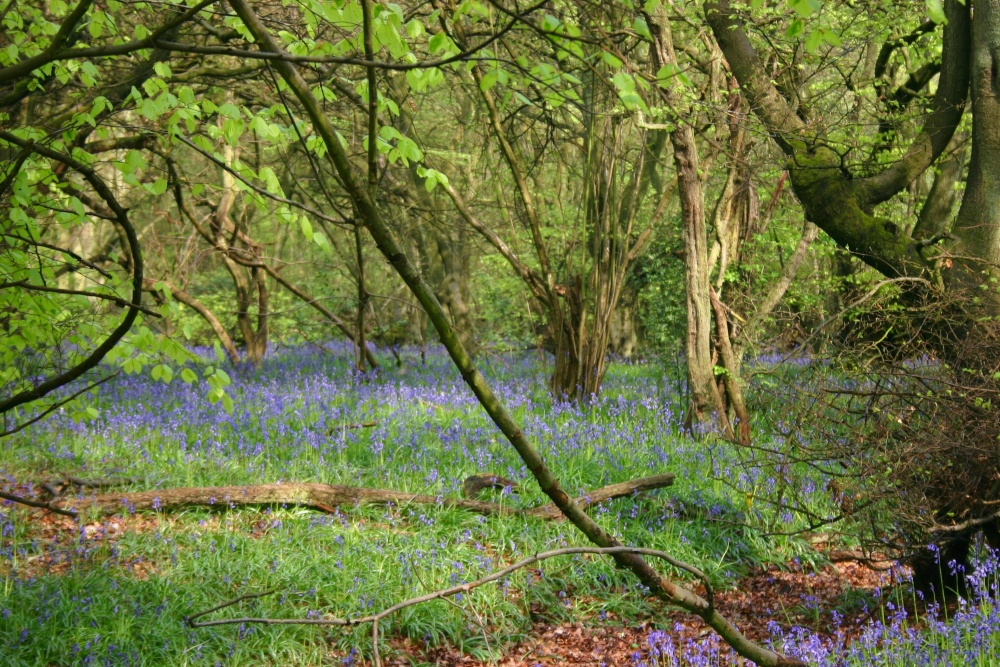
(951, 268)
(839, 203)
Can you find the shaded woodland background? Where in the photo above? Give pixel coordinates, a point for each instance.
(702, 186)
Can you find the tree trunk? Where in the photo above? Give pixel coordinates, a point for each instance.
(440, 248)
(569, 371)
(705, 398)
(626, 329)
(935, 216)
(197, 306)
(360, 345)
(976, 251)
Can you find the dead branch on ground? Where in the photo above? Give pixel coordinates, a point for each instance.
(439, 594)
(327, 496)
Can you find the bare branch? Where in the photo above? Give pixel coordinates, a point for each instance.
(65, 251)
(114, 298)
(52, 408)
(132, 239)
(34, 503)
(69, 24)
(446, 592)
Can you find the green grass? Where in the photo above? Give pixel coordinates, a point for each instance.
(124, 600)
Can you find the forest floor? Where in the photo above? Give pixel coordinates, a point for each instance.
(754, 603)
(830, 600)
(115, 586)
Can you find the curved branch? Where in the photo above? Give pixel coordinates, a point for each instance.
(755, 84)
(113, 298)
(197, 306)
(256, 188)
(122, 219)
(535, 283)
(839, 204)
(789, 131)
(447, 592)
(69, 253)
(778, 289)
(888, 48)
(34, 503)
(517, 18)
(55, 53)
(319, 307)
(916, 82)
(946, 111)
(154, 41)
(26, 66)
(52, 408)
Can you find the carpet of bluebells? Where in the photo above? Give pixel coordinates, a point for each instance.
(116, 591)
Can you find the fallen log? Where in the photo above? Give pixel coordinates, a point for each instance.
(605, 493)
(327, 496)
(57, 487)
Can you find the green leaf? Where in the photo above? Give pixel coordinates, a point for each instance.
(611, 60)
(489, 80)
(166, 373)
(414, 29)
(431, 178)
(438, 42)
(232, 130)
(806, 8)
(641, 28)
(813, 39)
(550, 23)
(669, 73)
(935, 10)
(158, 187)
(623, 82)
(320, 239)
(229, 111)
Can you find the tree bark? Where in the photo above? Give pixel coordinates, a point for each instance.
(731, 372)
(936, 214)
(832, 198)
(976, 251)
(705, 399)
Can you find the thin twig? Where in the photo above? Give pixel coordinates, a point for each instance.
(342, 427)
(34, 503)
(65, 251)
(259, 190)
(851, 306)
(114, 298)
(447, 592)
(58, 405)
